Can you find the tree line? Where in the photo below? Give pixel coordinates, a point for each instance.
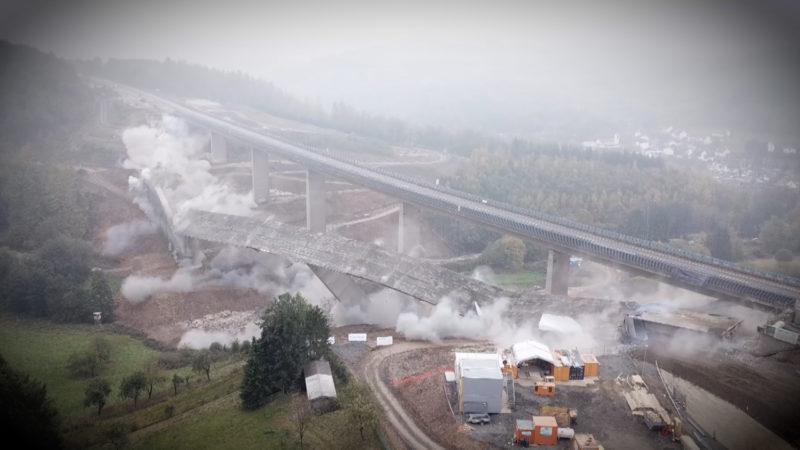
(628, 194)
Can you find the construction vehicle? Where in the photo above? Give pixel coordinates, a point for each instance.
(565, 417)
(544, 388)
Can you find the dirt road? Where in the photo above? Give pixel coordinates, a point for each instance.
(405, 426)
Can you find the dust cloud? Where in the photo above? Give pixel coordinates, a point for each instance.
(122, 236)
(171, 157)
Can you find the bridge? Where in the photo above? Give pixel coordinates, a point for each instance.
(336, 260)
(562, 237)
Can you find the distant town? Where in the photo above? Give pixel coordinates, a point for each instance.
(761, 162)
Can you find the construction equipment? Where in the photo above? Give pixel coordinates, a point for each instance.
(565, 417)
(544, 388)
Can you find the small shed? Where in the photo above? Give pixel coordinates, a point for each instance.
(583, 441)
(480, 382)
(591, 368)
(319, 386)
(523, 432)
(545, 430)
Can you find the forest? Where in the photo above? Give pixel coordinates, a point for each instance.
(638, 196)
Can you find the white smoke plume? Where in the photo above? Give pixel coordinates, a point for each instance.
(445, 321)
(120, 237)
(232, 267)
(199, 339)
(170, 157)
(382, 308)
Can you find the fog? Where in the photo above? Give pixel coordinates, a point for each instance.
(544, 68)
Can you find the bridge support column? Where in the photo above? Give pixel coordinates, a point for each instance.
(408, 230)
(219, 149)
(342, 286)
(103, 111)
(260, 174)
(557, 273)
(315, 202)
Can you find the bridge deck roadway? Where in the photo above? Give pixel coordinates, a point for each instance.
(417, 278)
(682, 269)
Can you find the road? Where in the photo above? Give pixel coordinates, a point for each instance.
(412, 435)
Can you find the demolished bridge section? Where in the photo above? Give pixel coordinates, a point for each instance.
(421, 280)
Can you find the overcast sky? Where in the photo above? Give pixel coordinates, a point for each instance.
(498, 64)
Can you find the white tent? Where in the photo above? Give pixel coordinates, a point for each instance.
(529, 351)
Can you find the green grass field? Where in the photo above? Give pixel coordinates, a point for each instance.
(204, 415)
(520, 279)
(41, 349)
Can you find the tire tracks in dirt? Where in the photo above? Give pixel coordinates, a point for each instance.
(412, 435)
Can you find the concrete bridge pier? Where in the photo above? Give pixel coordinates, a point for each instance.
(315, 202)
(408, 235)
(103, 111)
(557, 273)
(219, 149)
(261, 182)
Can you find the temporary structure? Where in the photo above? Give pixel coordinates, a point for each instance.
(319, 386)
(591, 367)
(545, 430)
(523, 432)
(528, 352)
(480, 382)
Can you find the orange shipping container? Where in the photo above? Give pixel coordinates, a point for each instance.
(591, 367)
(523, 433)
(510, 371)
(545, 430)
(559, 371)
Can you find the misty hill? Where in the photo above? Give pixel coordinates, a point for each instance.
(191, 80)
(42, 99)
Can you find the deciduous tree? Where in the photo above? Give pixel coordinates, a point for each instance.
(360, 408)
(96, 393)
(132, 386)
(202, 363)
(292, 334)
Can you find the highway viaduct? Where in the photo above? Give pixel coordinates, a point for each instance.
(562, 237)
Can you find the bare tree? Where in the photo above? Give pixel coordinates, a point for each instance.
(301, 416)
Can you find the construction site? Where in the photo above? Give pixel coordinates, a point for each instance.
(588, 371)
